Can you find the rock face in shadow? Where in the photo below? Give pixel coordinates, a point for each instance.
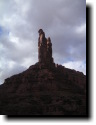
(45, 88)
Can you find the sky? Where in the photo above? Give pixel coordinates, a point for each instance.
(63, 20)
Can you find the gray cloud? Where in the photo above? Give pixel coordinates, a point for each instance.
(63, 20)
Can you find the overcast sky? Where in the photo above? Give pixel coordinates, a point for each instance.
(63, 20)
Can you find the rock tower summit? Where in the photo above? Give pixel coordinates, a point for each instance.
(44, 49)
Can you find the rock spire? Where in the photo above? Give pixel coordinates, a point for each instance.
(44, 48)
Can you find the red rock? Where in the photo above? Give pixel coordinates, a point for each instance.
(45, 88)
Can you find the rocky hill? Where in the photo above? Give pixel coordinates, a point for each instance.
(45, 88)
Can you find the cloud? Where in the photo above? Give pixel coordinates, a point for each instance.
(63, 20)
(9, 68)
(77, 65)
